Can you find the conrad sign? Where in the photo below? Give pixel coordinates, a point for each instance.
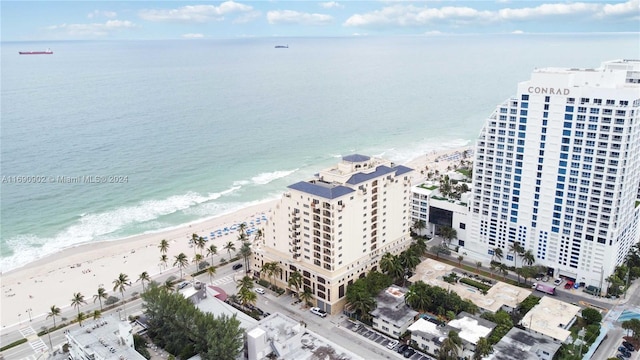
(547, 91)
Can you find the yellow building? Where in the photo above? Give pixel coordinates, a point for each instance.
(334, 228)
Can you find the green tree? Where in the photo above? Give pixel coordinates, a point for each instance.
(242, 229)
(80, 318)
(229, 246)
(440, 249)
(483, 348)
(591, 316)
(451, 346)
(448, 233)
(497, 254)
(390, 265)
(144, 276)
(164, 246)
(245, 252)
(120, 284)
(271, 269)
(97, 314)
(163, 261)
(516, 249)
(362, 302)
(53, 312)
(181, 261)
(168, 285)
(419, 246)
(77, 301)
(245, 283)
(101, 294)
(259, 235)
(306, 295)
(418, 226)
(295, 281)
(528, 258)
(212, 250)
(246, 296)
(211, 271)
(460, 258)
(417, 296)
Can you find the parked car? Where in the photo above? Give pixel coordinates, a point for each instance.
(557, 282)
(237, 266)
(408, 353)
(260, 291)
(629, 346)
(622, 349)
(621, 357)
(183, 285)
(392, 344)
(545, 279)
(355, 327)
(624, 355)
(318, 311)
(568, 285)
(402, 348)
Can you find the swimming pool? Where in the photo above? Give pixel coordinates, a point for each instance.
(628, 315)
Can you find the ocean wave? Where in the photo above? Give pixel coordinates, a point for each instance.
(91, 227)
(267, 177)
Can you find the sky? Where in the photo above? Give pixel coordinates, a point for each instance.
(116, 20)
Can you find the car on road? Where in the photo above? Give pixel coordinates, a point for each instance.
(568, 285)
(318, 311)
(402, 348)
(557, 282)
(183, 285)
(408, 352)
(260, 291)
(237, 266)
(629, 346)
(392, 344)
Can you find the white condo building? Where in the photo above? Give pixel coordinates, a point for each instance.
(557, 169)
(334, 228)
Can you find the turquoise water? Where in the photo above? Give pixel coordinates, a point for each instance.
(199, 128)
(628, 315)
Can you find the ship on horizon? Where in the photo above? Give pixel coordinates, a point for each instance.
(46, 52)
(282, 46)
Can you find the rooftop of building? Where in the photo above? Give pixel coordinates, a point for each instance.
(295, 342)
(522, 345)
(471, 328)
(206, 300)
(102, 338)
(426, 327)
(551, 317)
(431, 272)
(392, 307)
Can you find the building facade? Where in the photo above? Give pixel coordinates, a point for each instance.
(102, 339)
(334, 228)
(556, 169)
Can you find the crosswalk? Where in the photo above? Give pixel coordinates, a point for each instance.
(224, 280)
(38, 346)
(26, 332)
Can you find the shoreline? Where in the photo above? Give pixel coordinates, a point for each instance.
(52, 279)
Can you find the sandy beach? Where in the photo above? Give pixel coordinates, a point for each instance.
(31, 290)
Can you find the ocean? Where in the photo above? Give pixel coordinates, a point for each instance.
(108, 139)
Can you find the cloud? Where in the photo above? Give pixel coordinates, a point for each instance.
(195, 13)
(411, 15)
(295, 17)
(331, 5)
(517, 32)
(102, 13)
(247, 17)
(93, 29)
(193, 36)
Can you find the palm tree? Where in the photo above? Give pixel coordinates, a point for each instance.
(497, 254)
(164, 246)
(181, 261)
(77, 301)
(295, 280)
(460, 258)
(448, 233)
(478, 265)
(53, 312)
(451, 346)
(144, 276)
(169, 285)
(306, 296)
(420, 246)
(245, 252)
(246, 296)
(516, 249)
(242, 229)
(211, 271)
(362, 302)
(102, 294)
(259, 235)
(493, 268)
(504, 270)
(80, 318)
(97, 314)
(163, 261)
(212, 250)
(120, 284)
(528, 258)
(419, 225)
(197, 260)
(271, 269)
(390, 264)
(245, 283)
(230, 247)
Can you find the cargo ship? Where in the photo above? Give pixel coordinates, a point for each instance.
(282, 46)
(46, 52)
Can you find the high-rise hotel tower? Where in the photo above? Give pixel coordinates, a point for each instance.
(557, 169)
(335, 227)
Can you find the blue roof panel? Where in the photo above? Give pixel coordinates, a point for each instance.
(355, 158)
(400, 169)
(327, 192)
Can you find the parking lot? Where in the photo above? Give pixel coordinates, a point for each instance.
(374, 336)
